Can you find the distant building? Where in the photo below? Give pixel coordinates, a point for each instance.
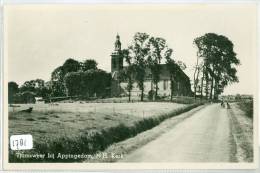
(182, 87)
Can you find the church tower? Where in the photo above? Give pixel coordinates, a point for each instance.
(116, 67)
(116, 57)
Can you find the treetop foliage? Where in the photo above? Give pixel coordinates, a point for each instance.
(219, 61)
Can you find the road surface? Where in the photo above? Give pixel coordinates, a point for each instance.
(203, 137)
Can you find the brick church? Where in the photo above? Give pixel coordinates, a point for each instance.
(181, 88)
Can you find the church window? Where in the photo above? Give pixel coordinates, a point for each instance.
(165, 84)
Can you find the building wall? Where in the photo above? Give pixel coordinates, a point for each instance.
(164, 88)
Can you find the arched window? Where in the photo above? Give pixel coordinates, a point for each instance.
(165, 84)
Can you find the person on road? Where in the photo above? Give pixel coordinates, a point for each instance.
(228, 105)
(222, 104)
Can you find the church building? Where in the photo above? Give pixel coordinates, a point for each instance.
(181, 87)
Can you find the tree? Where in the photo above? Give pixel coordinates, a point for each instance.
(70, 65)
(127, 73)
(57, 84)
(197, 73)
(139, 52)
(172, 68)
(28, 86)
(180, 83)
(88, 83)
(40, 88)
(73, 83)
(219, 61)
(36, 86)
(13, 89)
(89, 64)
(57, 76)
(102, 83)
(157, 47)
(25, 97)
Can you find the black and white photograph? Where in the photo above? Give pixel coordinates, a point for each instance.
(124, 85)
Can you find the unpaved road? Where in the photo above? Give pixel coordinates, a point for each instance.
(204, 137)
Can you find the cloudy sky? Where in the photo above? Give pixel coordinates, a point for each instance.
(40, 38)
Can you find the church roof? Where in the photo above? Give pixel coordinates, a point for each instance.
(164, 73)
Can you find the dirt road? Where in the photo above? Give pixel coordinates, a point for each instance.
(204, 137)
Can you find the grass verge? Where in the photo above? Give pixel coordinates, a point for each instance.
(242, 132)
(247, 107)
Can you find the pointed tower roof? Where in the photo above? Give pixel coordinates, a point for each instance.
(117, 43)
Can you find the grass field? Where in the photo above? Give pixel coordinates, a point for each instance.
(74, 118)
(85, 127)
(138, 109)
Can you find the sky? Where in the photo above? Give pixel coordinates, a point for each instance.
(40, 38)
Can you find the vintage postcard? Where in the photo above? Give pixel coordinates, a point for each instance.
(130, 86)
